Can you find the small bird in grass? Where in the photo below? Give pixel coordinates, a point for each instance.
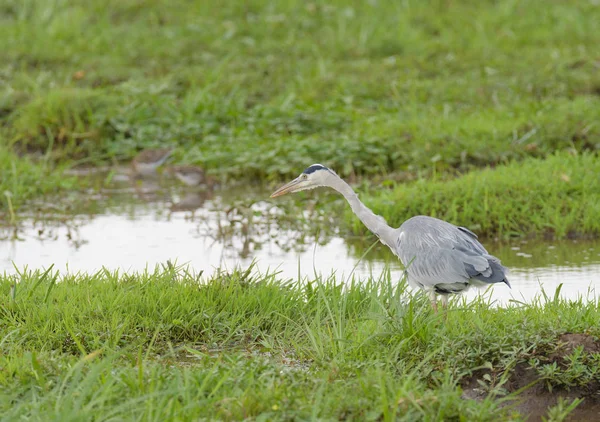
(149, 160)
(438, 256)
(189, 175)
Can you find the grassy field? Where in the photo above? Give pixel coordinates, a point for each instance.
(482, 113)
(556, 197)
(258, 90)
(22, 179)
(162, 346)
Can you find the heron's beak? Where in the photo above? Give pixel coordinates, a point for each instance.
(288, 188)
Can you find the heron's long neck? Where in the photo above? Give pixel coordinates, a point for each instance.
(374, 223)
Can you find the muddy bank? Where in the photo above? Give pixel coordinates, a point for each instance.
(535, 394)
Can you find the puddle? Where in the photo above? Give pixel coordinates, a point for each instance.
(141, 227)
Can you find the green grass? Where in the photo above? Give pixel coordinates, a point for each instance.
(161, 345)
(557, 197)
(259, 89)
(22, 179)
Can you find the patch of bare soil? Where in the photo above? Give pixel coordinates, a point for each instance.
(570, 342)
(535, 399)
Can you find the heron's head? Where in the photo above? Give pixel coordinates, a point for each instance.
(313, 177)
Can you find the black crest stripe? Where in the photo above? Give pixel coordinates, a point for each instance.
(314, 168)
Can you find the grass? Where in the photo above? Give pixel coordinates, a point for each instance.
(260, 90)
(22, 179)
(162, 345)
(558, 196)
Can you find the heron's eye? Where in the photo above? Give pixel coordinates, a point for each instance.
(304, 176)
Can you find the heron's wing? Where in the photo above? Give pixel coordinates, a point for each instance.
(484, 267)
(435, 266)
(467, 231)
(436, 252)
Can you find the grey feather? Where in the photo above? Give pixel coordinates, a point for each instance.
(444, 257)
(467, 231)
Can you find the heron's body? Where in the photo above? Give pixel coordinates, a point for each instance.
(438, 256)
(446, 258)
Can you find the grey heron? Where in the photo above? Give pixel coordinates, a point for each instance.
(438, 256)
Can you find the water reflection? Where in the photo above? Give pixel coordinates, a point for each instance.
(190, 201)
(140, 227)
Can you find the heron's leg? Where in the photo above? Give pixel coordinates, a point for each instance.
(433, 299)
(445, 302)
(445, 306)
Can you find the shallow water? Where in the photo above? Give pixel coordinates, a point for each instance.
(147, 225)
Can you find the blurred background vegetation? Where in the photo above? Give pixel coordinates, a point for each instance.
(257, 90)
